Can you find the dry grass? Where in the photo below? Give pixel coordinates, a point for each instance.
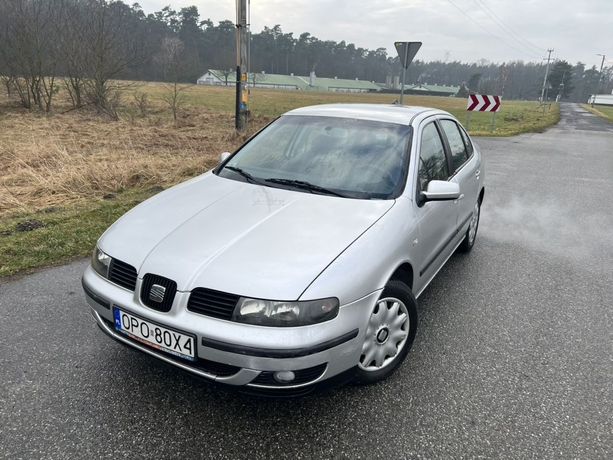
(76, 156)
(69, 158)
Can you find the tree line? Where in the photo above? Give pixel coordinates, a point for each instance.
(88, 46)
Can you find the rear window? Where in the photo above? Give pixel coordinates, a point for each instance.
(456, 144)
(467, 142)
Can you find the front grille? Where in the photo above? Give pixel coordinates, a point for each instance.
(122, 274)
(148, 298)
(212, 303)
(302, 376)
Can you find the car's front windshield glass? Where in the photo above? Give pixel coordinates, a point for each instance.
(327, 155)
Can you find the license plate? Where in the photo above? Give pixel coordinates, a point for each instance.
(154, 335)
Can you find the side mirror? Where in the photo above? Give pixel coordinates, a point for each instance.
(441, 190)
(224, 156)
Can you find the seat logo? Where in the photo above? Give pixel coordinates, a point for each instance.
(156, 293)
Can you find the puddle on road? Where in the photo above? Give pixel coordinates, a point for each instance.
(549, 227)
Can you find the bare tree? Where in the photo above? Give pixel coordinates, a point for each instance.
(141, 102)
(226, 74)
(71, 34)
(256, 77)
(9, 82)
(110, 52)
(29, 50)
(171, 60)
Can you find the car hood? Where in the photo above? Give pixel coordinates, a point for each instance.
(238, 237)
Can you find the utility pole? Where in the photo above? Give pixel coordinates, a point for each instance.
(599, 78)
(546, 74)
(561, 88)
(242, 96)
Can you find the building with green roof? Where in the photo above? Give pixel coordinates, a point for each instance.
(432, 90)
(289, 82)
(340, 85)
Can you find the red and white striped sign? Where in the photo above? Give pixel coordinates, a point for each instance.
(483, 103)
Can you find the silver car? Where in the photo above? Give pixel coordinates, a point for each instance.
(299, 258)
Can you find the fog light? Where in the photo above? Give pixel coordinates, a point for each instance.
(284, 376)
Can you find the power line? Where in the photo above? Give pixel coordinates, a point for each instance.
(524, 50)
(489, 32)
(518, 38)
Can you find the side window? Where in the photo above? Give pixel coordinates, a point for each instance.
(432, 159)
(467, 142)
(456, 144)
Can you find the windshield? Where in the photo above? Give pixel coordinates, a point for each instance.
(327, 155)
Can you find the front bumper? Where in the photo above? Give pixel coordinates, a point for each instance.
(240, 354)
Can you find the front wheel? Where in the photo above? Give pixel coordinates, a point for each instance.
(471, 234)
(389, 335)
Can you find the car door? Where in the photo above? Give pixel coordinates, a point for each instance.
(437, 220)
(464, 169)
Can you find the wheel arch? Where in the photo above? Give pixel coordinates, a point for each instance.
(404, 272)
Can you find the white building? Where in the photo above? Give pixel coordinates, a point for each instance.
(601, 99)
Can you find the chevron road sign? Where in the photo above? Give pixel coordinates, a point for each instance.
(483, 103)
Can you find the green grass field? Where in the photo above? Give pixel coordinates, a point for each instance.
(603, 111)
(58, 235)
(515, 117)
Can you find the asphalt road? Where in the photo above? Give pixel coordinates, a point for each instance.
(513, 357)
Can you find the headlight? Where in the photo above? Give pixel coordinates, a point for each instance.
(101, 262)
(275, 313)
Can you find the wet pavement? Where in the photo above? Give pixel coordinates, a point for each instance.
(513, 357)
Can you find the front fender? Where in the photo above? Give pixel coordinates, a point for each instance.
(367, 264)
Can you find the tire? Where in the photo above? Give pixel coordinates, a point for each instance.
(469, 239)
(384, 335)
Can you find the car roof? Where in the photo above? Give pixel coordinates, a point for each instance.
(390, 113)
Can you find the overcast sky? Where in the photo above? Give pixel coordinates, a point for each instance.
(466, 30)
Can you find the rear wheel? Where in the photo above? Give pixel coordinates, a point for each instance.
(471, 234)
(389, 334)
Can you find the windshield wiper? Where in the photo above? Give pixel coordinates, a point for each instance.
(305, 186)
(243, 173)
